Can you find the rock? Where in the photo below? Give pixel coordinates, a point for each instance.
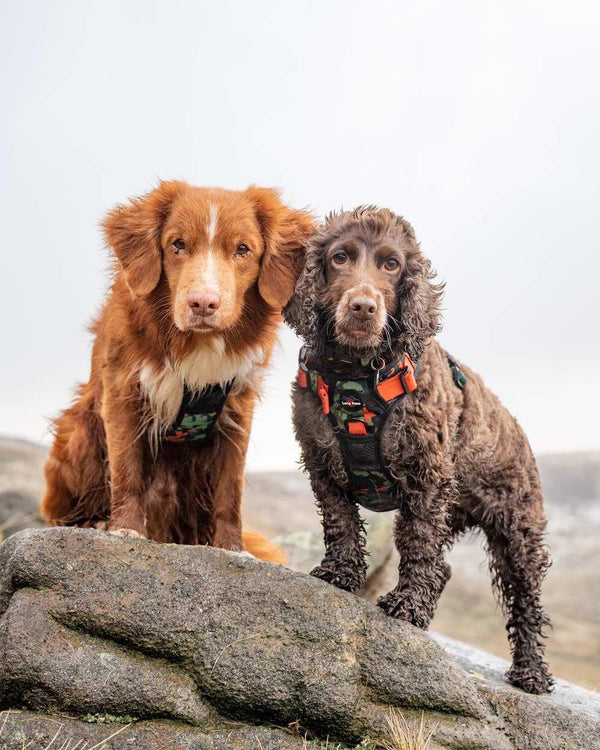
(569, 718)
(36, 731)
(256, 639)
(281, 505)
(201, 647)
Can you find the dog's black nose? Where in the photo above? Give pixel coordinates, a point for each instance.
(363, 307)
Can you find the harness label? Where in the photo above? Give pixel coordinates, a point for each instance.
(349, 401)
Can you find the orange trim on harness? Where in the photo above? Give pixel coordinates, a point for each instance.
(323, 393)
(368, 414)
(357, 428)
(392, 388)
(302, 379)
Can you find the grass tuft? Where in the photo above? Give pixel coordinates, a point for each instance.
(403, 735)
(400, 735)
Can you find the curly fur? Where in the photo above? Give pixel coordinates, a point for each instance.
(419, 298)
(460, 461)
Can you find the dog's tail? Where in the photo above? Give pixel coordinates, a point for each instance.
(259, 546)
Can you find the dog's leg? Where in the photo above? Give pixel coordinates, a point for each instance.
(161, 504)
(422, 534)
(518, 563)
(125, 460)
(343, 530)
(228, 472)
(228, 502)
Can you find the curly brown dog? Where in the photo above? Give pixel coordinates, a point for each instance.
(155, 443)
(388, 420)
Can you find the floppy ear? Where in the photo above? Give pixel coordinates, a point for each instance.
(302, 311)
(418, 298)
(285, 233)
(133, 232)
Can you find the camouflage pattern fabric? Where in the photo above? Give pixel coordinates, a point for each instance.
(355, 401)
(357, 412)
(198, 415)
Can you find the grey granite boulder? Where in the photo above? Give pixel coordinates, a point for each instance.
(197, 645)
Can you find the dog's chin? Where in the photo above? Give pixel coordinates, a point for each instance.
(358, 338)
(200, 327)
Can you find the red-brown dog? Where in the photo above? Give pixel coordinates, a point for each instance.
(155, 443)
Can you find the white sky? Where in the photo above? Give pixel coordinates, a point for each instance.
(479, 121)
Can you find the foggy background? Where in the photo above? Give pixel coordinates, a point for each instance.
(478, 121)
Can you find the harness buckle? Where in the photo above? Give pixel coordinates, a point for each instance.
(407, 375)
(302, 369)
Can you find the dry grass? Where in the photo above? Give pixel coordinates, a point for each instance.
(401, 735)
(404, 735)
(57, 742)
(308, 745)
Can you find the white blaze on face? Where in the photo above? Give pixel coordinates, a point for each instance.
(211, 229)
(208, 272)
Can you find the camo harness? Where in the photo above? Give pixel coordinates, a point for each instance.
(198, 414)
(358, 408)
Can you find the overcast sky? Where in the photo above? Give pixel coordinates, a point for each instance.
(478, 121)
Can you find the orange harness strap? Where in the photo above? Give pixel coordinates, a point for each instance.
(396, 385)
(357, 428)
(400, 383)
(323, 394)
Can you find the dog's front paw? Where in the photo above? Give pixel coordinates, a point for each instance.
(128, 533)
(342, 578)
(400, 608)
(533, 678)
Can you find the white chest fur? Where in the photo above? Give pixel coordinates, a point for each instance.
(208, 364)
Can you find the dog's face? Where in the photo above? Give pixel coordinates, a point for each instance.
(362, 275)
(367, 285)
(211, 247)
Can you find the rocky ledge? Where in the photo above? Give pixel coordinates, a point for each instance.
(111, 643)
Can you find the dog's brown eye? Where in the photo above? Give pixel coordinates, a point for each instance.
(179, 245)
(340, 258)
(391, 264)
(242, 250)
